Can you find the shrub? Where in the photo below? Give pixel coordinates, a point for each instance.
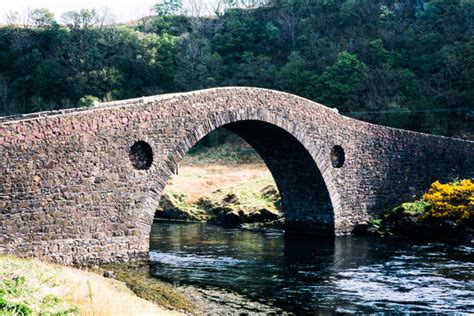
(87, 100)
(451, 201)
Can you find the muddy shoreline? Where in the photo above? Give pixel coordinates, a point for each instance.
(185, 298)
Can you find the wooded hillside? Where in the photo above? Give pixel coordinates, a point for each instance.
(402, 63)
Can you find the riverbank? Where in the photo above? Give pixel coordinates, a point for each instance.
(445, 212)
(198, 300)
(29, 286)
(224, 193)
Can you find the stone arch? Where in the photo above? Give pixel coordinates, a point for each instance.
(308, 202)
(70, 170)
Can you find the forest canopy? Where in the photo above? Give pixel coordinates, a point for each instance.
(401, 63)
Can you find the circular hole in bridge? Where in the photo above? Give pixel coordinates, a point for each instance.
(141, 155)
(337, 156)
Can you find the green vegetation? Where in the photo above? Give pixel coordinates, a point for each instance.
(407, 64)
(414, 209)
(251, 198)
(31, 287)
(444, 211)
(26, 289)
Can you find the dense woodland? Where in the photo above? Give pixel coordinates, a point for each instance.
(402, 63)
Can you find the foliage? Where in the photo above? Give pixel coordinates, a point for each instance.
(445, 210)
(400, 63)
(338, 81)
(414, 209)
(81, 19)
(13, 287)
(87, 100)
(42, 17)
(32, 287)
(450, 201)
(168, 7)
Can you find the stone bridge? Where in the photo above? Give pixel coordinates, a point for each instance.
(82, 185)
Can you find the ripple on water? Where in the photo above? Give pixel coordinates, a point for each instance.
(186, 259)
(310, 275)
(409, 288)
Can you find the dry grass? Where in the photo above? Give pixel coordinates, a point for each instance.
(197, 180)
(52, 289)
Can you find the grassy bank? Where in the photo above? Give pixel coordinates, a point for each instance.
(34, 287)
(204, 191)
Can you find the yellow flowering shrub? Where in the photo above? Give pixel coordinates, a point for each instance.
(451, 201)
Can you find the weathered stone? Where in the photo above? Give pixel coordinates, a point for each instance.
(70, 193)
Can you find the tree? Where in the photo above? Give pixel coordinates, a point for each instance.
(245, 4)
(42, 18)
(4, 106)
(82, 19)
(106, 17)
(338, 82)
(192, 56)
(294, 76)
(168, 7)
(11, 18)
(289, 18)
(410, 64)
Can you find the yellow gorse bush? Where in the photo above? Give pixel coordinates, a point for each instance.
(451, 201)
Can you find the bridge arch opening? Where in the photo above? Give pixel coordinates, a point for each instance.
(305, 199)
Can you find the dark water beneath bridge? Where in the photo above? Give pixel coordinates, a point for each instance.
(307, 274)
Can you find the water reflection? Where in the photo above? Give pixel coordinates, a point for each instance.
(308, 274)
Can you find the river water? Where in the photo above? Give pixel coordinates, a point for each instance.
(305, 274)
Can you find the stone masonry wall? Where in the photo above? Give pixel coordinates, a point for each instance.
(69, 192)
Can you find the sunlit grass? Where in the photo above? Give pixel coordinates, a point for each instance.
(34, 287)
(202, 179)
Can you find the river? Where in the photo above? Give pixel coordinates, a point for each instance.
(306, 274)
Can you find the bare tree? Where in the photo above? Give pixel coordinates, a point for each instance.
(27, 18)
(246, 4)
(106, 17)
(41, 17)
(83, 19)
(145, 19)
(289, 17)
(12, 18)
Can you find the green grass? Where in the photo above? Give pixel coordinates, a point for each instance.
(413, 209)
(26, 288)
(259, 193)
(32, 287)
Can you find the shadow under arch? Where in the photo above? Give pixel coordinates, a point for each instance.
(306, 200)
